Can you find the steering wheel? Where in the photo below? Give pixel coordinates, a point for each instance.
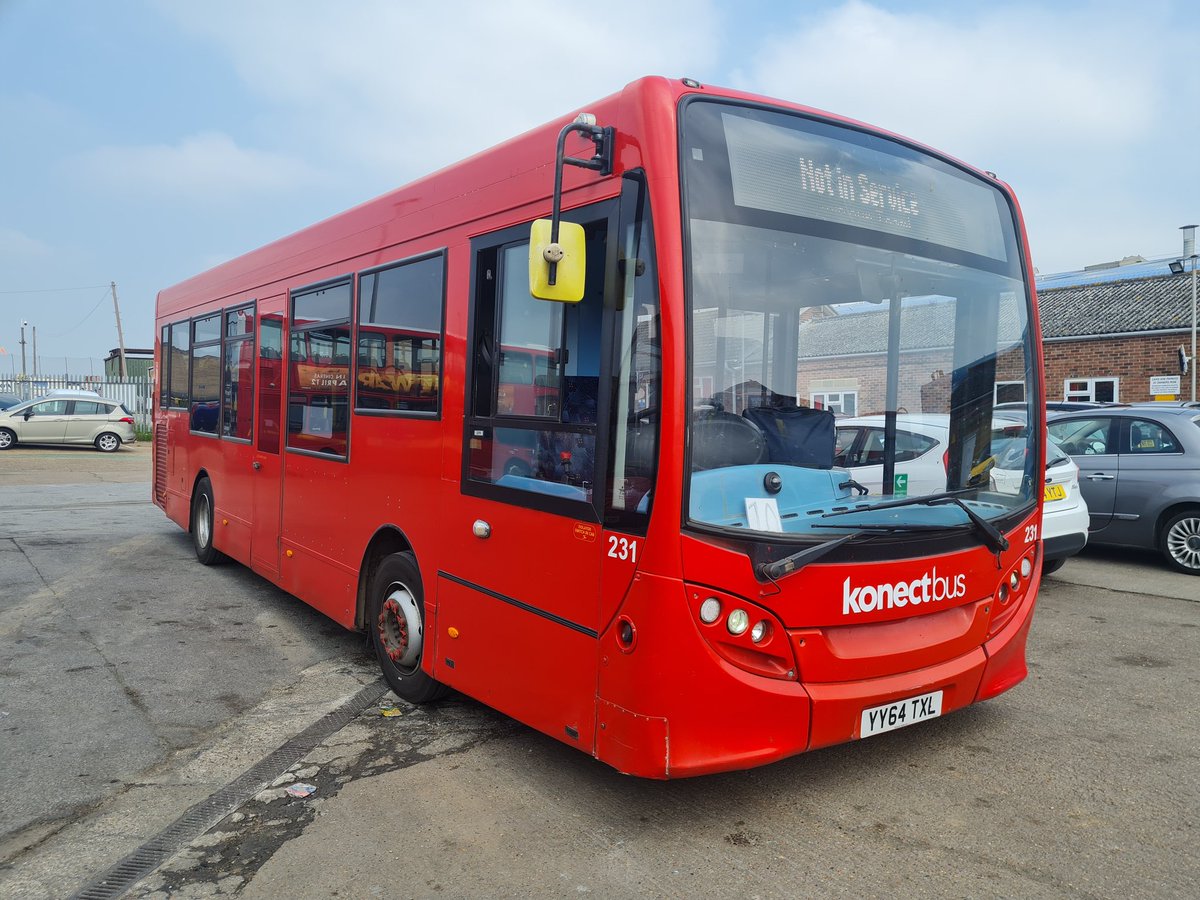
(722, 438)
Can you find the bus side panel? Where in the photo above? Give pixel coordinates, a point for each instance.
(1006, 651)
(525, 665)
(319, 561)
(233, 493)
(177, 501)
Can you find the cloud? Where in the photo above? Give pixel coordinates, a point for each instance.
(18, 247)
(407, 88)
(965, 84)
(207, 168)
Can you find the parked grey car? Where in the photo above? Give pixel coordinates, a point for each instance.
(1139, 470)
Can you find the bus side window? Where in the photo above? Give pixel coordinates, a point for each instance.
(270, 379)
(319, 373)
(637, 366)
(400, 336)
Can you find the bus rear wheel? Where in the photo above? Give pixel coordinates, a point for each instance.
(202, 524)
(396, 621)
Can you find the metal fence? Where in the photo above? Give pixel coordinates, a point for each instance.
(133, 393)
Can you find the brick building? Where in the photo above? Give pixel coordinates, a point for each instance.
(1108, 330)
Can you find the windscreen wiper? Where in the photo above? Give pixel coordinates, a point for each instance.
(797, 561)
(993, 538)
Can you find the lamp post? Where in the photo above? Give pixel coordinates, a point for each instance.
(1189, 250)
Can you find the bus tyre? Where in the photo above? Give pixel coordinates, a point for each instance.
(1180, 542)
(396, 621)
(202, 524)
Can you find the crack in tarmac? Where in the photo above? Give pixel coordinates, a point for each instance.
(231, 853)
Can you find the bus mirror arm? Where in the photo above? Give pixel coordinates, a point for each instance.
(601, 162)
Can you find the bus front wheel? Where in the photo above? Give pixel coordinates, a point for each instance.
(396, 620)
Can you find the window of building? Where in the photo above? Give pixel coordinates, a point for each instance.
(319, 360)
(1009, 392)
(1103, 390)
(237, 391)
(400, 336)
(842, 403)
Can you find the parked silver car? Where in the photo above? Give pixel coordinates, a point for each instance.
(1139, 469)
(68, 420)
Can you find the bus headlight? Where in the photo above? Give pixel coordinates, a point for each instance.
(710, 610)
(742, 633)
(738, 621)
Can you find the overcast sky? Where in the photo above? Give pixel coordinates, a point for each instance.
(144, 141)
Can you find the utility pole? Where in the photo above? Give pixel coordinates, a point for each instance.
(120, 334)
(23, 326)
(35, 351)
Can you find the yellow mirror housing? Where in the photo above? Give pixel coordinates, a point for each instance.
(569, 256)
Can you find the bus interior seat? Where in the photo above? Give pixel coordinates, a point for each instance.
(579, 395)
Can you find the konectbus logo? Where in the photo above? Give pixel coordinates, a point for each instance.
(929, 588)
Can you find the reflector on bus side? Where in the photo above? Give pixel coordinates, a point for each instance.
(569, 254)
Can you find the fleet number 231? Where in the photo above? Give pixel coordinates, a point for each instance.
(622, 548)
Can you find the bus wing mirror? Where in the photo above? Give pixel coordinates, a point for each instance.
(557, 268)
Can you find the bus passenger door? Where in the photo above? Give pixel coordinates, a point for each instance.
(267, 471)
(518, 588)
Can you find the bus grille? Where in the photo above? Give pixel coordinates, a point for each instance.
(160, 461)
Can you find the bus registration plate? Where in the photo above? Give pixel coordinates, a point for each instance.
(891, 716)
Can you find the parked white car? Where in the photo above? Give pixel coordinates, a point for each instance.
(76, 419)
(1064, 512)
(922, 441)
(921, 444)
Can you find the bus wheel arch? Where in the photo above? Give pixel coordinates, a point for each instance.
(387, 540)
(396, 625)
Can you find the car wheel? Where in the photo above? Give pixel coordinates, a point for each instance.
(396, 620)
(202, 524)
(108, 442)
(1180, 542)
(7, 439)
(1050, 566)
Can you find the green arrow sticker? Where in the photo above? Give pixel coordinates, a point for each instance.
(900, 486)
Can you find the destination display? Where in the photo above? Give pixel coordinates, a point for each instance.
(784, 170)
